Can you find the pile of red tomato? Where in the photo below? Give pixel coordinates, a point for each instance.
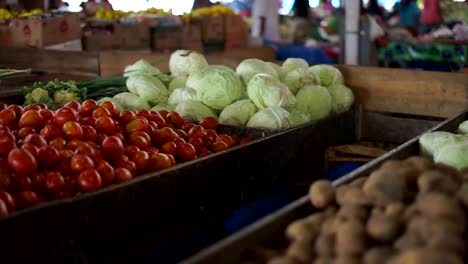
(47, 155)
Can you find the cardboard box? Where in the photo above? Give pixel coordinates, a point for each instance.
(6, 36)
(212, 28)
(53, 30)
(192, 38)
(72, 45)
(20, 32)
(99, 42)
(132, 36)
(236, 32)
(167, 39)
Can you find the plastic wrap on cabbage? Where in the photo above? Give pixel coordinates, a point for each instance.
(429, 143)
(266, 91)
(130, 101)
(342, 98)
(141, 67)
(216, 88)
(298, 117)
(186, 62)
(292, 64)
(149, 88)
(314, 101)
(271, 118)
(194, 110)
(177, 82)
(300, 77)
(163, 106)
(181, 94)
(237, 113)
(463, 128)
(250, 67)
(328, 74)
(454, 154)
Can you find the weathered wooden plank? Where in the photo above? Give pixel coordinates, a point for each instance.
(413, 92)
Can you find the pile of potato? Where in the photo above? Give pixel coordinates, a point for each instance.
(411, 211)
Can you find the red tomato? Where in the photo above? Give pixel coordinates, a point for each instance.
(122, 175)
(107, 172)
(8, 117)
(130, 165)
(28, 199)
(165, 134)
(220, 146)
(2, 106)
(163, 113)
(179, 141)
(172, 159)
(74, 144)
(23, 132)
(29, 108)
(139, 141)
(209, 123)
(87, 150)
(101, 111)
(109, 105)
(119, 135)
(80, 162)
(30, 148)
(205, 153)
(64, 115)
(186, 151)
(143, 113)
(72, 130)
(65, 158)
(101, 138)
(152, 150)
(159, 161)
(89, 133)
(54, 182)
(226, 139)
(89, 181)
(20, 183)
(18, 110)
(212, 134)
(141, 160)
(40, 105)
(48, 157)
(175, 119)
(112, 148)
(71, 184)
(181, 133)
(197, 131)
(37, 181)
(139, 134)
(197, 143)
(105, 124)
(89, 121)
(73, 105)
(8, 200)
(35, 139)
(50, 132)
(138, 124)
(130, 150)
(169, 148)
(7, 142)
(159, 120)
(126, 116)
(22, 162)
(3, 208)
(4, 180)
(47, 114)
(245, 141)
(88, 107)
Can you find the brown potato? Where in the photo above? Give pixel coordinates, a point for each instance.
(347, 259)
(321, 193)
(465, 174)
(301, 251)
(325, 244)
(426, 256)
(358, 183)
(283, 260)
(352, 212)
(409, 240)
(378, 255)
(323, 260)
(383, 228)
(427, 227)
(330, 225)
(303, 230)
(385, 186)
(354, 196)
(462, 194)
(395, 209)
(455, 174)
(447, 242)
(419, 163)
(436, 181)
(439, 205)
(350, 238)
(410, 212)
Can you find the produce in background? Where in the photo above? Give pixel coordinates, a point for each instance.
(328, 75)
(315, 101)
(194, 110)
(342, 98)
(214, 10)
(81, 148)
(291, 64)
(148, 88)
(463, 128)
(250, 67)
(271, 118)
(186, 62)
(237, 113)
(411, 211)
(141, 67)
(177, 82)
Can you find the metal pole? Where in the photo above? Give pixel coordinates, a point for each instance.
(352, 13)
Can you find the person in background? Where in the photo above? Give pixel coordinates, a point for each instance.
(304, 20)
(373, 8)
(430, 16)
(324, 9)
(61, 6)
(105, 4)
(201, 3)
(409, 15)
(266, 20)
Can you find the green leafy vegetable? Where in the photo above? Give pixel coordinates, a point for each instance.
(250, 67)
(266, 91)
(271, 118)
(185, 62)
(342, 97)
(237, 113)
(328, 74)
(314, 101)
(148, 88)
(130, 101)
(194, 110)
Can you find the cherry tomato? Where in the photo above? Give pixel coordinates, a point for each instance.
(126, 116)
(87, 150)
(73, 105)
(65, 159)
(163, 113)
(152, 150)
(181, 133)
(159, 161)
(54, 182)
(112, 148)
(186, 151)
(139, 141)
(74, 144)
(245, 141)
(3, 208)
(179, 141)
(107, 172)
(80, 162)
(169, 148)
(18, 110)
(197, 131)
(2, 106)
(101, 111)
(8, 200)
(23, 132)
(141, 160)
(20, 183)
(138, 124)
(64, 115)
(101, 138)
(226, 139)
(72, 130)
(212, 134)
(220, 146)
(88, 107)
(209, 123)
(28, 199)
(30, 148)
(130, 150)
(122, 175)
(109, 105)
(7, 142)
(143, 113)
(50, 131)
(29, 108)
(187, 126)
(159, 120)
(38, 181)
(47, 114)
(89, 121)
(36, 140)
(22, 162)
(205, 153)
(89, 181)
(139, 134)
(197, 143)
(89, 133)
(8, 117)
(130, 165)
(48, 157)
(105, 124)
(119, 135)
(172, 159)
(4, 180)
(175, 119)
(165, 134)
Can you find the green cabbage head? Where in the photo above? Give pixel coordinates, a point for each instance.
(237, 113)
(194, 110)
(342, 97)
(177, 82)
(277, 68)
(163, 106)
(141, 67)
(454, 154)
(266, 91)
(186, 62)
(250, 67)
(300, 77)
(216, 88)
(181, 94)
(271, 118)
(292, 64)
(328, 74)
(130, 101)
(148, 88)
(463, 128)
(298, 117)
(429, 143)
(314, 101)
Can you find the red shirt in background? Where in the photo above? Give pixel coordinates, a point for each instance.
(431, 12)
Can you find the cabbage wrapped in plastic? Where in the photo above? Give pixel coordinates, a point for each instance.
(163, 106)
(454, 154)
(194, 110)
(429, 143)
(271, 118)
(298, 117)
(463, 128)
(149, 88)
(314, 101)
(216, 88)
(328, 74)
(291, 64)
(266, 91)
(342, 97)
(300, 77)
(181, 94)
(186, 62)
(237, 113)
(141, 67)
(130, 101)
(250, 67)
(177, 82)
